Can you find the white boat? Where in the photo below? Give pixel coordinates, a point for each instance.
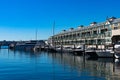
(117, 49)
(117, 45)
(117, 55)
(91, 51)
(78, 50)
(64, 49)
(117, 52)
(105, 53)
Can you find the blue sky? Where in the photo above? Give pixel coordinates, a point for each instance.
(19, 19)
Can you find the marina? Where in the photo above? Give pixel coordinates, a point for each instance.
(98, 40)
(71, 55)
(38, 46)
(59, 40)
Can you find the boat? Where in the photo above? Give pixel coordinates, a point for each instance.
(117, 55)
(117, 49)
(78, 50)
(117, 52)
(64, 49)
(107, 53)
(51, 49)
(28, 45)
(100, 53)
(117, 45)
(91, 51)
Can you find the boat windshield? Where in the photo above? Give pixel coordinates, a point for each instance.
(118, 42)
(91, 48)
(67, 47)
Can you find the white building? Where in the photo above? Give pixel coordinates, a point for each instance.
(105, 33)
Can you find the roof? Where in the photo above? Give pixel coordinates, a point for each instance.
(116, 20)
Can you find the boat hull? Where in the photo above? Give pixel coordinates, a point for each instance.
(117, 55)
(64, 51)
(92, 54)
(78, 52)
(104, 54)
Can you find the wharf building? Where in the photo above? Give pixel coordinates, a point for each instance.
(99, 35)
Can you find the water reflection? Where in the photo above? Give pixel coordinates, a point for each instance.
(27, 65)
(106, 68)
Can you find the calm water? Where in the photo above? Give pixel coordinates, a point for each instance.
(19, 65)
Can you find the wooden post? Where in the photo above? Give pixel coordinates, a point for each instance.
(61, 48)
(113, 44)
(83, 50)
(74, 46)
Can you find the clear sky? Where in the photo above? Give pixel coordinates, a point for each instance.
(19, 19)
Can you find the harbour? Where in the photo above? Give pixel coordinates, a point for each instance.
(59, 40)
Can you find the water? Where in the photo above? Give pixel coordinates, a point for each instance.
(4, 47)
(20, 65)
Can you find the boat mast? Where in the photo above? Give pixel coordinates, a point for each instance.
(53, 34)
(54, 28)
(36, 34)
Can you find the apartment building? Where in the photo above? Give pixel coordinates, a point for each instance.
(104, 33)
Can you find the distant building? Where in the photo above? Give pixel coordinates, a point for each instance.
(105, 33)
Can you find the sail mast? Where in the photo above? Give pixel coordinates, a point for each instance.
(53, 33)
(54, 28)
(36, 34)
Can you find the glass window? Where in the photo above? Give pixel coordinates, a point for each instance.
(115, 28)
(106, 26)
(116, 25)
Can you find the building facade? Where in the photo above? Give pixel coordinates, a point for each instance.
(105, 33)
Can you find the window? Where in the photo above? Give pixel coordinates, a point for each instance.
(115, 28)
(116, 25)
(106, 26)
